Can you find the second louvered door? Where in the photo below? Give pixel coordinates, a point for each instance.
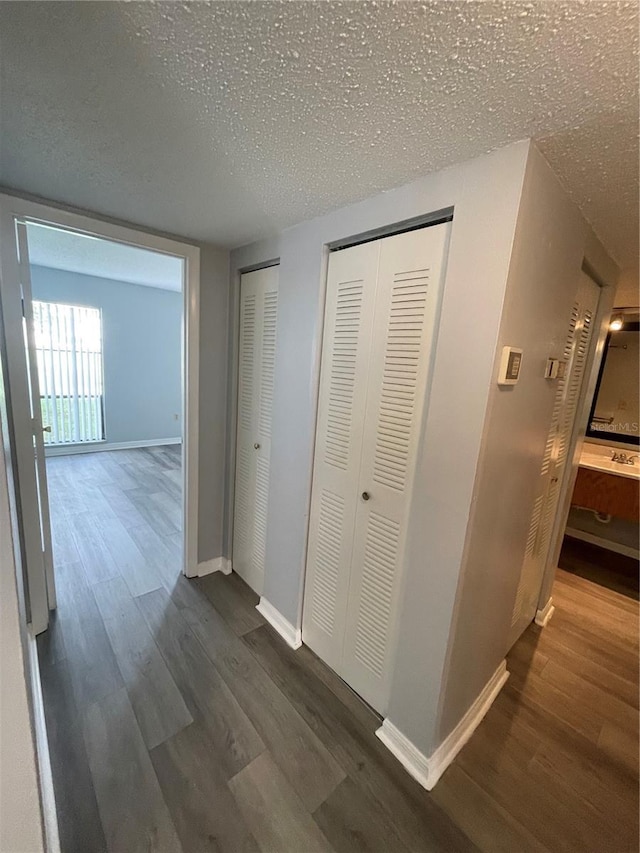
(349, 312)
(409, 274)
(382, 299)
(256, 361)
(554, 461)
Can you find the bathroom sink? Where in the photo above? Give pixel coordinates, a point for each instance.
(602, 462)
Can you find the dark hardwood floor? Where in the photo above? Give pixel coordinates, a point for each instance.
(178, 720)
(605, 568)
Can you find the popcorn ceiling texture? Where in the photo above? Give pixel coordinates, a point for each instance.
(228, 121)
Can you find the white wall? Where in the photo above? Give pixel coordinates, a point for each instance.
(627, 290)
(485, 195)
(552, 239)
(20, 814)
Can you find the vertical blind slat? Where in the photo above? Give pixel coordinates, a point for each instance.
(73, 388)
(44, 367)
(64, 405)
(82, 389)
(90, 383)
(66, 408)
(53, 368)
(73, 427)
(60, 330)
(45, 362)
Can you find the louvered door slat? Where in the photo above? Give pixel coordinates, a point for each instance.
(243, 527)
(256, 370)
(269, 321)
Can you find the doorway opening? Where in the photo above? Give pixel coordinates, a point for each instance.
(602, 532)
(100, 354)
(107, 323)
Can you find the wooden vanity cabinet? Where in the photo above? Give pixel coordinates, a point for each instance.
(609, 494)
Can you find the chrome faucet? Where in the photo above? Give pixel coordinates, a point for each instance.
(623, 458)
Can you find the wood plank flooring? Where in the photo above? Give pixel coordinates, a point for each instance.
(179, 721)
(606, 568)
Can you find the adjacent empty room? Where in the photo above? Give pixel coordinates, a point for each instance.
(107, 321)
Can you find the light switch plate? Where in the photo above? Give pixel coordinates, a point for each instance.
(510, 365)
(553, 368)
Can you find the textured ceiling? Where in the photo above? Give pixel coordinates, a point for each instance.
(68, 250)
(227, 121)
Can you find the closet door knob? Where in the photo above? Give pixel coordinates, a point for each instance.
(365, 496)
(256, 446)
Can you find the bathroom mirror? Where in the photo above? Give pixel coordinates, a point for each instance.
(615, 413)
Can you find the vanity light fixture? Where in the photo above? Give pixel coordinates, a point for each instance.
(617, 322)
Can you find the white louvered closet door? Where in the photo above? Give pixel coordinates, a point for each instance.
(410, 273)
(554, 462)
(256, 361)
(348, 324)
(359, 512)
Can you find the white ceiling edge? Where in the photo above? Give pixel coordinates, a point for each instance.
(72, 251)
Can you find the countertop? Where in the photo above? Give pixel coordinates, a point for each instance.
(598, 458)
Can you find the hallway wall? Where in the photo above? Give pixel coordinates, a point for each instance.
(485, 195)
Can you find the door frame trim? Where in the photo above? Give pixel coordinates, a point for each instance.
(415, 223)
(17, 207)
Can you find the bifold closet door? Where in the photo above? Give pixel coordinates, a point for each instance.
(348, 325)
(567, 397)
(379, 327)
(256, 361)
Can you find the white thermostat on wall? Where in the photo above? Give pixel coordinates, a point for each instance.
(510, 366)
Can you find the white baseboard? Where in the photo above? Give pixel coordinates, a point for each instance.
(428, 769)
(218, 564)
(97, 446)
(545, 613)
(47, 794)
(601, 542)
(289, 633)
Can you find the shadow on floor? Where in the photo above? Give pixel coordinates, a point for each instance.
(606, 568)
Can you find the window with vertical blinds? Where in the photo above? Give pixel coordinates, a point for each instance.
(69, 356)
